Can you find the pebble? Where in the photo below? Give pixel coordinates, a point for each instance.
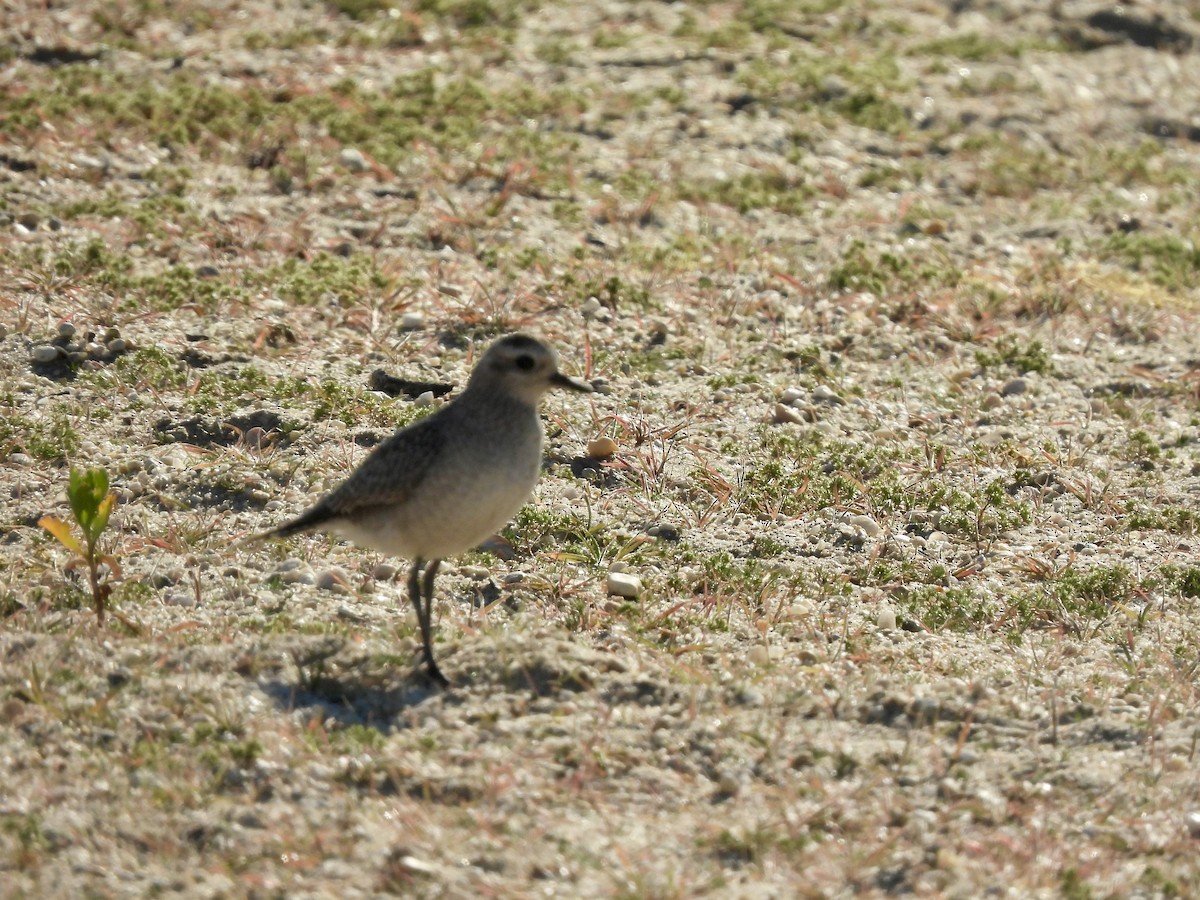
(334, 580)
(886, 618)
(300, 573)
(384, 572)
(66, 330)
(353, 159)
(44, 353)
(1014, 387)
(791, 395)
(824, 394)
(412, 321)
(1193, 823)
(867, 524)
(759, 655)
(601, 448)
(786, 415)
(624, 584)
(425, 399)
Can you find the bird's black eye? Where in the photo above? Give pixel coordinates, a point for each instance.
(524, 362)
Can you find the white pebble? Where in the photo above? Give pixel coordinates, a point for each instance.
(1193, 823)
(784, 414)
(624, 584)
(425, 399)
(791, 395)
(412, 321)
(867, 524)
(886, 619)
(353, 159)
(44, 353)
(824, 394)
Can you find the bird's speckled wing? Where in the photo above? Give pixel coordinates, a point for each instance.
(386, 477)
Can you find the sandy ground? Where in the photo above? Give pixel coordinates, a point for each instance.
(892, 307)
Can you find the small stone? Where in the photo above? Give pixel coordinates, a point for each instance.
(66, 330)
(1193, 823)
(117, 346)
(786, 415)
(425, 399)
(412, 321)
(297, 575)
(885, 620)
(664, 531)
(1014, 387)
(255, 438)
(353, 159)
(759, 655)
(207, 271)
(791, 395)
(624, 584)
(44, 354)
(591, 307)
(28, 220)
(414, 866)
(384, 572)
(333, 580)
(601, 448)
(867, 524)
(824, 394)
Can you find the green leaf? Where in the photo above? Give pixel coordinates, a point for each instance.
(103, 512)
(88, 493)
(62, 531)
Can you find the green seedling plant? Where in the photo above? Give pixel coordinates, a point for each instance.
(91, 505)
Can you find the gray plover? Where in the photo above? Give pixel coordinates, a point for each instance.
(451, 480)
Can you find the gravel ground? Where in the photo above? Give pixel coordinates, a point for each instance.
(893, 312)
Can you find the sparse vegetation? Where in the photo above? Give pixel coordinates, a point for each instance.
(91, 505)
(893, 335)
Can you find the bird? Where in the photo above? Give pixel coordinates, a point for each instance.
(449, 481)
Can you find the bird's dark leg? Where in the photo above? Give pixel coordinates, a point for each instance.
(434, 672)
(424, 608)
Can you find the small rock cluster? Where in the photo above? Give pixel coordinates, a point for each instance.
(70, 349)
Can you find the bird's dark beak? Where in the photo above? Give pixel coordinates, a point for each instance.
(558, 379)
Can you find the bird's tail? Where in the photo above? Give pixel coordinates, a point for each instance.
(306, 521)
